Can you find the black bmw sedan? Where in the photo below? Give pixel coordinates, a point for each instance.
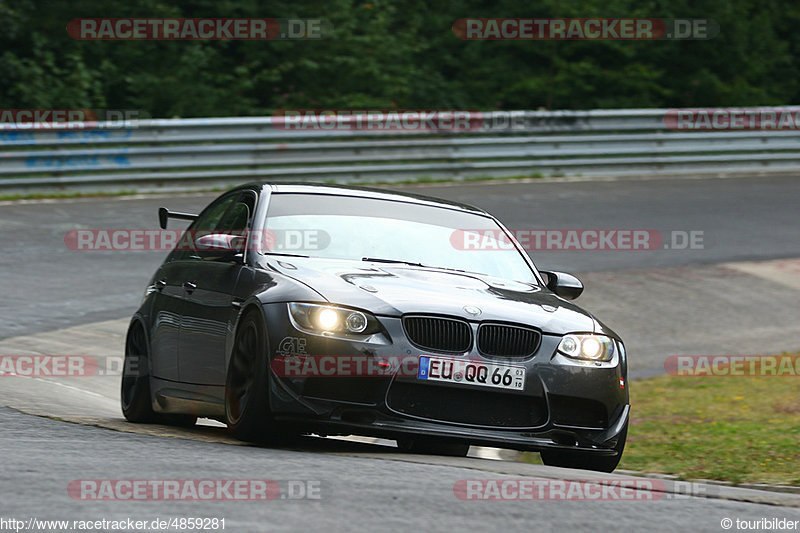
(287, 309)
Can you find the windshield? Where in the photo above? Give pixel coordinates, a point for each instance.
(345, 227)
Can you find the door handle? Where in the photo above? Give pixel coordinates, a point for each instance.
(160, 284)
(189, 286)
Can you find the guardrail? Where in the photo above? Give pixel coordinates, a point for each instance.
(180, 153)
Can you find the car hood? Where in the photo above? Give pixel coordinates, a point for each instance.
(396, 290)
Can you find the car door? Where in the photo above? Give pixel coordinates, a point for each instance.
(169, 298)
(214, 288)
(170, 305)
(166, 321)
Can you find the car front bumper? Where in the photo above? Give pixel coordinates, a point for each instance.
(565, 404)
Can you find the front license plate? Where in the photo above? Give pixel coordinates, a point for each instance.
(466, 372)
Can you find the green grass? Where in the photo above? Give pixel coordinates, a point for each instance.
(737, 429)
(97, 194)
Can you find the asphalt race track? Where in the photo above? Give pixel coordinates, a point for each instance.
(738, 293)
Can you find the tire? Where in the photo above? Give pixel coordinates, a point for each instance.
(586, 461)
(135, 398)
(247, 410)
(135, 388)
(433, 446)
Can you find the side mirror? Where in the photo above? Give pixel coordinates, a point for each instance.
(565, 285)
(219, 246)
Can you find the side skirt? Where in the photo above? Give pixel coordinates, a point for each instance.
(185, 398)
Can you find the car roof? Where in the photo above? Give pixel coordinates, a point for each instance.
(363, 192)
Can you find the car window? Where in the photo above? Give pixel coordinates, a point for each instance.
(213, 216)
(237, 218)
(208, 220)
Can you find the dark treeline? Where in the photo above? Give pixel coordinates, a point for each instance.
(397, 54)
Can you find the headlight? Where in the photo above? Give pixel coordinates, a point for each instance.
(328, 319)
(586, 346)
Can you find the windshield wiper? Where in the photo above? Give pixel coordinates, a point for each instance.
(397, 261)
(286, 254)
(411, 263)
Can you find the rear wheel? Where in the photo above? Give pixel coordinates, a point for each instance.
(247, 385)
(433, 446)
(135, 397)
(584, 460)
(135, 391)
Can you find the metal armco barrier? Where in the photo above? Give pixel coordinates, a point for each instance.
(203, 153)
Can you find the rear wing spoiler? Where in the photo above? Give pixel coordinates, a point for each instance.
(165, 214)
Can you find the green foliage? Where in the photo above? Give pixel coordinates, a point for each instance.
(397, 54)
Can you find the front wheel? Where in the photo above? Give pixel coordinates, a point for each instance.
(585, 460)
(247, 385)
